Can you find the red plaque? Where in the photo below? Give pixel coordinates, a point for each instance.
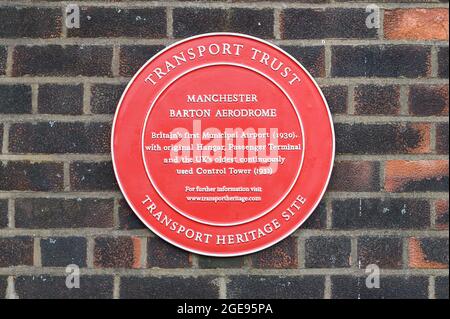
(223, 144)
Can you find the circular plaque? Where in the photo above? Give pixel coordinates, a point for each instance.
(222, 144)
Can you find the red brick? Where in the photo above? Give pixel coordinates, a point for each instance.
(428, 253)
(441, 208)
(407, 176)
(354, 176)
(121, 252)
(282, 255)
(416, 24)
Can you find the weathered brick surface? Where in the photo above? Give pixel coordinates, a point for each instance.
(392, 287)
(281, 255)
(122, 252)
(381, 214)
(358, 176)
(407, 176)
(441, 209)
(382, 138)
(312, 58)
(105, 97)
(133, 57)
(383, 252)
(266, 287)
(110, 22)
(63, 251)
(86, 176)
(442, 138)
(63, 213)
(169, 287)
(3, 213)
(54, 287)
(418, 24)
(60, 99)
(387, 200)
(428, 100)
(375, 99)
(27, 176)
(443, 62)
(428, 252)
(337, 98)
(34, 22)
(60, 137)
(192, 21)
(332, 252)
(15, 99)
(381, 61)
(163, 255)
(16, 251)
(328, 23)
(3, 57)
(56, 60)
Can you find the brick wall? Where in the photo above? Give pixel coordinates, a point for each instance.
(387, 203)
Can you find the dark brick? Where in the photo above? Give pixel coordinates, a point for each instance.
(120, 252)
(282, 255)
(203, 287)
(416, 176)
(60, 99)
(87, 176)
(127, 218)
(355, 176)
(381, 61)
(56, 60)
(30, 22)
(164, 255)
(428, 100)
(318, 219)
(3, 286)
(275, 287)
(441, 287)
(337, 98)
(258, 23)
(3, 213)
(193, 21)
(50, 287)
(385, 252)
(382, 138)
(381, 214)
(443, 62)
(16, 251)
(442, 138)
(428, 253)
(325, 23)
(392, 287)
(26, 176)
(1, 137)
(441, 208)
(3, 58)
(60, 137)
(105, 97)
(312, 58)
(15, 99)
(377, 99)
(63, 213)
(103, 22)
(219, 262)
(63, 251)
(133, 57)
(327, 252)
